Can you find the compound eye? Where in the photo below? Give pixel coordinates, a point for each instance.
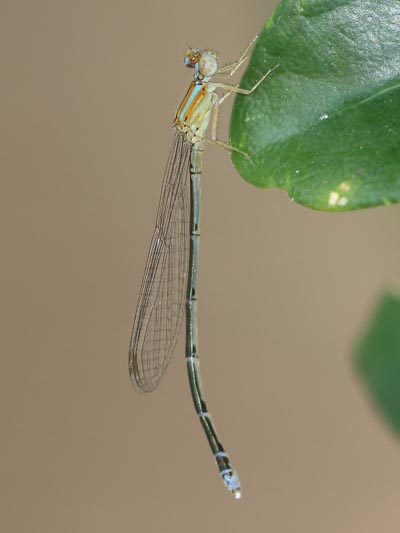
(191, 58)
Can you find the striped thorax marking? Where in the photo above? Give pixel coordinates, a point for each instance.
(193, 115)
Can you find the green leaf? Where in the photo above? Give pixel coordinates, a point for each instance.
(325, 125)
(378, 358)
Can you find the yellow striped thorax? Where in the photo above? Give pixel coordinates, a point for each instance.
(194, 113)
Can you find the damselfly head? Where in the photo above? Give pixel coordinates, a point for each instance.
(204, 61)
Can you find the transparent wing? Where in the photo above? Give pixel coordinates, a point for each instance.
(161, 302)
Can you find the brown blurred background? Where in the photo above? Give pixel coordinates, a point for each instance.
(88, 93)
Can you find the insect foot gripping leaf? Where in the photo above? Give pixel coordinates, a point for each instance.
(325, 126)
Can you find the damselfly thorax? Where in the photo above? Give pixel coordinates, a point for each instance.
(194, 113)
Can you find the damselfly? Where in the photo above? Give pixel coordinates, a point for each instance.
(171, 266)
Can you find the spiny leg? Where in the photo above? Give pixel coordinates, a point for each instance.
(239, 90)
(232, 68)
(218, 101)
(214, 122)
(229, 147)
(223, 98)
